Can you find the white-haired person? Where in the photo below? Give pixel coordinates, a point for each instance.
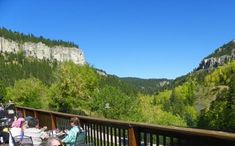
(52, 141)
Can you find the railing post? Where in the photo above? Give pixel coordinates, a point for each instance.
(53, 121)
(24, 112)
(132, 136)
(35, 114)
(158, 134)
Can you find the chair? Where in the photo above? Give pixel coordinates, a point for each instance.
(24, 140)
(80, 139)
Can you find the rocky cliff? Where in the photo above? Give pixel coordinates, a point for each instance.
(221, 56)
(42, 51)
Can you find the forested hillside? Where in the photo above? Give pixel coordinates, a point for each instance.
(72, 88)
(203, 98)
(147, 86)
(27, 80)
(15, 67)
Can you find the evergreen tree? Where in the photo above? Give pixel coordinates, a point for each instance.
(230, 106)
(22, 38)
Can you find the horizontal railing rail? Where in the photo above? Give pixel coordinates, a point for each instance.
(105, 132)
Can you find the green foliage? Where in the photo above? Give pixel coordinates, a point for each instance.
(21, 38)
(73, 88)
(181, 102)
(118, 83)
(112, 103)
(198, 87)
(190, 115)
(16, 66)
(221, 113)
(177, 82)
(150, 113)
(28, 92)
(213, 118)
(221, 76)
(147, 86)
(70, 88)
(2, 90)
(230, 106)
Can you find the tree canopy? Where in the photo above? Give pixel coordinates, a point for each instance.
(22, 38)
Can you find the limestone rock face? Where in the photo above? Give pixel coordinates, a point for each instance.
(42, 51)
(214, 62)
(220, 56)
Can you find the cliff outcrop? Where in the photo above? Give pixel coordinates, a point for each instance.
(42, 51)
(221, 56)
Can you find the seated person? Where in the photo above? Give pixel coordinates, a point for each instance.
(18, 120)
(27, 120)
(72, 133)
(33, 131)
(17, 129)
(52, 141)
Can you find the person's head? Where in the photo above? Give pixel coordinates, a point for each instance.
(32, 123)
(74, 121)
(53, 141)
(28, 118)
(19, 114)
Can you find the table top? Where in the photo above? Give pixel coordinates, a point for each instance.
(56, 133)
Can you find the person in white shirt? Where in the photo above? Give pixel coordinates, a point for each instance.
(33, 131)
(16, 127)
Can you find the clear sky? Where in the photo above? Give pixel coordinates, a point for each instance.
(129, 38)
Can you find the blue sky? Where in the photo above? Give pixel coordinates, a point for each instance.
(129, 38)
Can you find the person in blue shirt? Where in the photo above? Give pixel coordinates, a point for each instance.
(72, 133)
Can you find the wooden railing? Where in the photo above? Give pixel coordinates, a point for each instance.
(105, 132)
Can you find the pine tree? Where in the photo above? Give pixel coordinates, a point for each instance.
(230, 107)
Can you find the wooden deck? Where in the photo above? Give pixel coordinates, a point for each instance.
(105, 132)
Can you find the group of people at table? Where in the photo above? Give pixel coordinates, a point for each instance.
(29, 126)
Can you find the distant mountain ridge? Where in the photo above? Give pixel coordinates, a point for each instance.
(221, 56)
(39, 47)
(148, 86)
